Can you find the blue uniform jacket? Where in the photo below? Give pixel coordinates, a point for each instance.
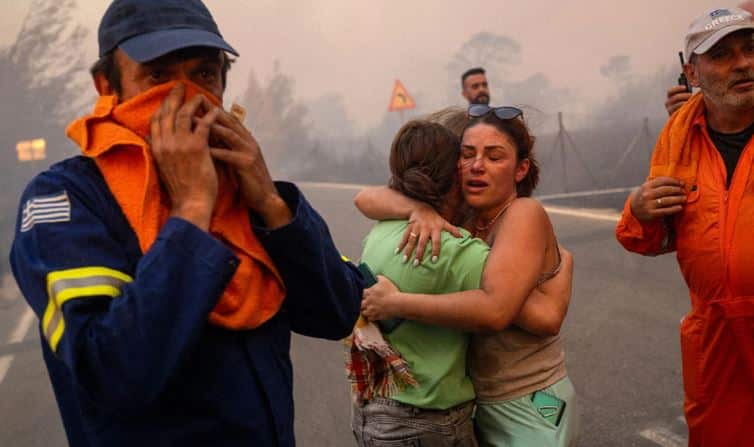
(130, 354)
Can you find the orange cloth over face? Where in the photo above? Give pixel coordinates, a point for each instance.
(714, 239)
(114, 136)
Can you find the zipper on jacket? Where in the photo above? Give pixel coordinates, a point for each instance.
(721, 176)
(727, 245)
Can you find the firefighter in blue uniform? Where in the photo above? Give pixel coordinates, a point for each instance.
(131, 354)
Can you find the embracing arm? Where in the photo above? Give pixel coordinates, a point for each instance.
(383, 203)
(511, 272)
(545, 309)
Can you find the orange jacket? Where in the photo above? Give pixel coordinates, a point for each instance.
(714, 240)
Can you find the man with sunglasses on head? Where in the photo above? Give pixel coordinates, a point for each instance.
(698, 202)
(474, 86)
(166, 268)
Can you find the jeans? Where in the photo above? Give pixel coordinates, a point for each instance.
(389, 423)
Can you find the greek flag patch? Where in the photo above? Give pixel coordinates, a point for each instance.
(45, 209)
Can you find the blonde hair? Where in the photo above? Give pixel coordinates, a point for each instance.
(453, 118)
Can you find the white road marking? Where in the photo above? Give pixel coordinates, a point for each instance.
(573, 212)
(664, 437)
(22, 327)
(5, 362)
(17, 336)
(586, 214)
(352, 186)
(595, 192)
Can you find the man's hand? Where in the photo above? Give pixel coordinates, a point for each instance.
(677, 96)
(242, 152)
(659, 197)
(182, 156)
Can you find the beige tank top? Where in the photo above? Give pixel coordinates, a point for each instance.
(513, 363)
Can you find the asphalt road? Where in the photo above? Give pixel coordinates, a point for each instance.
(621, 339)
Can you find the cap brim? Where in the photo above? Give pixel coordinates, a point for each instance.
(149, 46)
(716, 37)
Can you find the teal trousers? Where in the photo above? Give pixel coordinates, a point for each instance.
(517, 423)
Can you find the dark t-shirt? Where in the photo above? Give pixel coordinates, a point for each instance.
(730, 146)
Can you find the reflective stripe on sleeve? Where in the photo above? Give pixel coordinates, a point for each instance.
(65, 285)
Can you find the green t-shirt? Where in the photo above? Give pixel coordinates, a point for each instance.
(436, 355)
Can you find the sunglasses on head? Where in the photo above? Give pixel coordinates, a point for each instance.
(504, 112)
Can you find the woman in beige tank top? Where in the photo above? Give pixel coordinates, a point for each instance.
(523, 393)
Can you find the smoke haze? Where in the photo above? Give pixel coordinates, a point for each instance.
(356, 49)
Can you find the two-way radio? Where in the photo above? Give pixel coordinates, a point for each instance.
(682, 79)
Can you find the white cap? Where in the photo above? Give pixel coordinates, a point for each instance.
(708, 29)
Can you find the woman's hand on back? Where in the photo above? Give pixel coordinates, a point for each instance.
(424, 226)
(379, 300)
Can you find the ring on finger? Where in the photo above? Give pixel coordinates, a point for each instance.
(659, 202)
(412, 235)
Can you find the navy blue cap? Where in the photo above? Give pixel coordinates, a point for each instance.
(148, 29)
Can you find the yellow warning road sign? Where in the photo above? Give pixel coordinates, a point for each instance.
(400, 100)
